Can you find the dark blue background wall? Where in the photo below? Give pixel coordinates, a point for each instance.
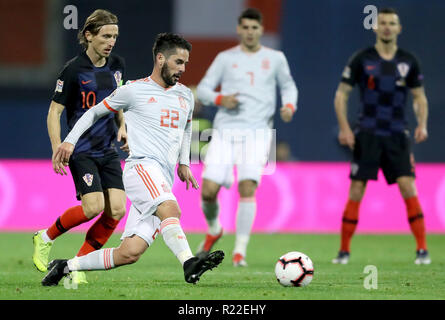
(24, 110)
(317, 37)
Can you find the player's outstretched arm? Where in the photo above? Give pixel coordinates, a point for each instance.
(420, 105)
(206, 87)
(184, 172)
(288, 89)
(86, 121)
(53, 123)
(345, 136)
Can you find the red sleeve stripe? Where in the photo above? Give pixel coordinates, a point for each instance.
(108, 106)
(290, 106)
(218, 100)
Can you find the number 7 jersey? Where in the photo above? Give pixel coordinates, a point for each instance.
(254, 77)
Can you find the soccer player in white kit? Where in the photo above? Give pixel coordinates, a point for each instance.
(158, 113)
(248, 75)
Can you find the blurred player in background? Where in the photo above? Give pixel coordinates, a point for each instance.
(385, 74)
(158, 113)
(95, 165)
(248, 75)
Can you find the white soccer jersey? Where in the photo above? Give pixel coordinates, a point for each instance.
(254, 76)
(158, 122)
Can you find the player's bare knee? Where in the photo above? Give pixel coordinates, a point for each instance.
(120, 213)
(247, 188)
(357, 190)
(209, 191)
(132, 258)
(129, 256)
(247, 192)
(208, 195)
(117, 212)
(407, 187)
(168, 209)
(91, 210)
(115, 203)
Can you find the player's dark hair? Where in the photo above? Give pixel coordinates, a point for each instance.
(167, 43)
(388, 10)
(251, 13)
(94, 22)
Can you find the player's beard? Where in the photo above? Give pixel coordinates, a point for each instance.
(251, 43)
(386, 41)
(169, 78)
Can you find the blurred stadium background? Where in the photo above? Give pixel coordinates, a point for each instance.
(317, 37)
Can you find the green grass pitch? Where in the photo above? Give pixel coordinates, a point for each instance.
(158, 275)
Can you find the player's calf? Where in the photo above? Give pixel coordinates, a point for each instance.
(129, 251)
(123, 257)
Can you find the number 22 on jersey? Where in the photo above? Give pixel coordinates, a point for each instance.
(169, 118)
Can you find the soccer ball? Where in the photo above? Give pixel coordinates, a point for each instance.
(294, 269)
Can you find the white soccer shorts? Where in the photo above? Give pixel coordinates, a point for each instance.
(146, 187)
(146, 227)
(248, 150)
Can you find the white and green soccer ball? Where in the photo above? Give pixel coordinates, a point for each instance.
(294, 269)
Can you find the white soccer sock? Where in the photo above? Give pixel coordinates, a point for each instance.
(211, 212)
(97, 260)
(175, 239)
(244, 221)
(45, 237)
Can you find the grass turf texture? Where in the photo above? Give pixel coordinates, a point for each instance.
(158, 274)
